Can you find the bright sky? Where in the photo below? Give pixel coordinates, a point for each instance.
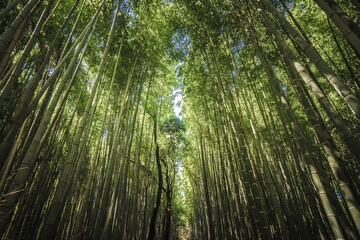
(177, 109)
(177, 93)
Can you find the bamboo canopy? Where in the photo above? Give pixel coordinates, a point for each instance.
(182, 119)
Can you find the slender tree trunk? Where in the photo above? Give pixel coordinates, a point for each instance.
(6, 36)
(346, 26)
(8, 8)
(29, 160)
(346, 94)
(152, 224)
(20, 63)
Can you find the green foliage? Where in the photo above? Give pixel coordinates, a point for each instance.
(234, 125)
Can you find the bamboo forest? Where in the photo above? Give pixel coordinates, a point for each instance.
(180, 119)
